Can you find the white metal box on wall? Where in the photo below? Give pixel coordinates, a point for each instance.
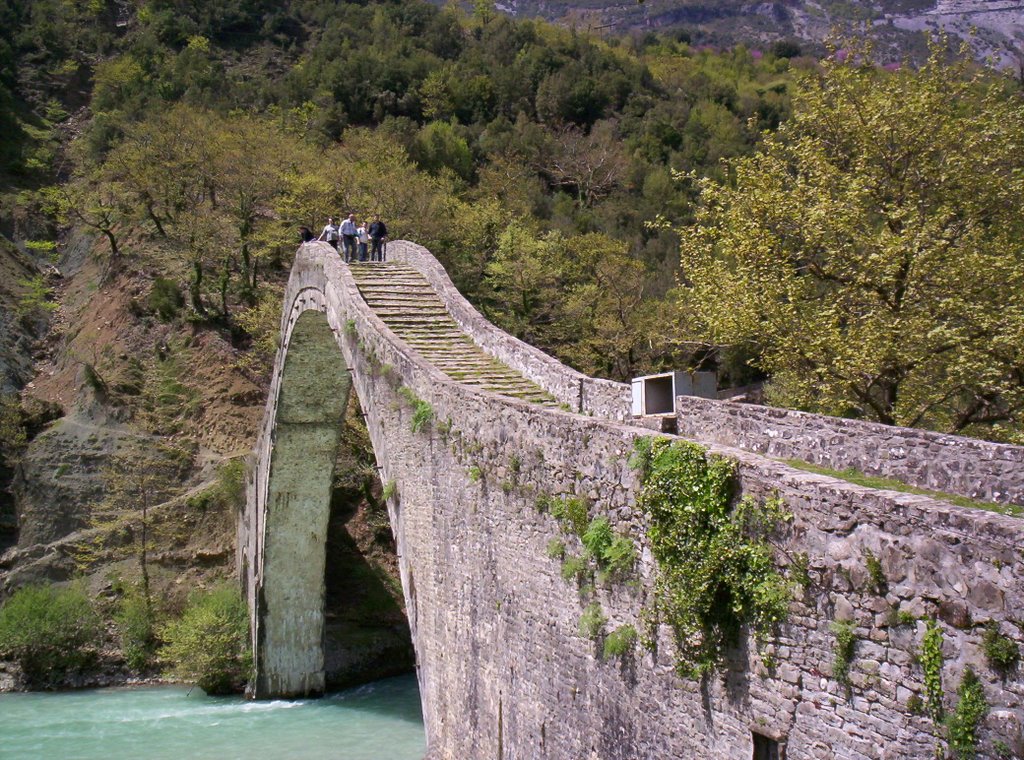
(656, 394)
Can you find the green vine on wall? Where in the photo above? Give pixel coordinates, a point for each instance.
(717, 572)
(843, 649)
(967, 716)
(931, 663)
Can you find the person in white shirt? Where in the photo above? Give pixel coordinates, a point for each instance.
(330, 233)
(348, 237)
(362, 240)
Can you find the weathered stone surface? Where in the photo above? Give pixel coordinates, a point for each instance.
(945, 463)
(503, 669)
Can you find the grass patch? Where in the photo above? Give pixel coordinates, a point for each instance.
(888, 484)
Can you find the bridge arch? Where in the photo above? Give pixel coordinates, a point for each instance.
(503, 666)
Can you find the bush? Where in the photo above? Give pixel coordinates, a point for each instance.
(598, 538)
(967, 717)
(619, 557)
(845, 643)
(592, 621)
(1001, 652)
(556, 549)
(48, 630)
(575, 567)
(209, 644)
(136, 623)
(717, 576)
(165, 299)
(576, 513)
(620, 641)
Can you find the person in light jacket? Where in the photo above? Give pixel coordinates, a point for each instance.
(362, 240)
(348, 237)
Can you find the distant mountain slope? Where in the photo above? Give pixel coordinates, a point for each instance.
(897, 24)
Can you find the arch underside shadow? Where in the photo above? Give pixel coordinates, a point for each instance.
(313, 392)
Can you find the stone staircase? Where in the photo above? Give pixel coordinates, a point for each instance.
(407, 304)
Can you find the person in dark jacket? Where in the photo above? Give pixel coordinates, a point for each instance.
(378, 234)
(306, 234)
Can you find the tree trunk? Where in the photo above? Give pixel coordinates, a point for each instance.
(155, 219)
(225, 281)
(143, 556)
(195, 287)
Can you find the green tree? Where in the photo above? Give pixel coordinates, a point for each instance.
(209, 645)
(871, 251)
(136, 480)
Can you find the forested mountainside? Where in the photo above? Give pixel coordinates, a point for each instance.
(160, 156)
(994, 29)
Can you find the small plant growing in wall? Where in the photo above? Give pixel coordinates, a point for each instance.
(576, 515)
(716, 569)
(799, 570)
(620, 642)
(422, 411)
(842, 650)
(576, 567)
(915, 705)
(876, 576)
(350, 327)
(1001, 652)
(556, 549)
(390, 490)
(475, 473)
(592, 621)
(966, 717)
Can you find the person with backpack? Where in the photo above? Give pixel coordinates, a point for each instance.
(378, 234)
(330, 233)
(348, 237)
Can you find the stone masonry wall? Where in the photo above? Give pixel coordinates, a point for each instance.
(504, 671)
(945, 463)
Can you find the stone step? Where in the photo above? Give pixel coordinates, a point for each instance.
(408, 304)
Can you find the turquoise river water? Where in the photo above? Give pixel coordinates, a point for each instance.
(379, 721)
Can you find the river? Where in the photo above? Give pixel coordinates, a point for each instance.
(378, 721)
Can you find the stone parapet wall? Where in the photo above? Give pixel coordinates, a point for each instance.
(945, 463)
(579, 392)
(503, 668)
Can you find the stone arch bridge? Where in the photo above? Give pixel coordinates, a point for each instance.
(473, 427)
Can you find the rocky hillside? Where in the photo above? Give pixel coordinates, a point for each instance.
(134, 422)
(993, 28)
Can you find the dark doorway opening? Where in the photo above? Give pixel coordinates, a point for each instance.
(766, 748)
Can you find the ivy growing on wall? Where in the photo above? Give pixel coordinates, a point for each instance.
(716, 570)
(967, 716)
(931, 663)
(843, 649)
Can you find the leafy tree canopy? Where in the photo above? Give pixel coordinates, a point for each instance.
(871, 252)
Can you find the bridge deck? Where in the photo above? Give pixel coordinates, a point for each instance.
(407, 304)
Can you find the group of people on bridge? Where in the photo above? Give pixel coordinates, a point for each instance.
(360, 241)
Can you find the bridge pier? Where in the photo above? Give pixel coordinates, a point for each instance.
(288, 596)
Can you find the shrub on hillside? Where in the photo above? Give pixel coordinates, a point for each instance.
(209, 644)
(136, 622)
(166, 299)
(48, 630)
